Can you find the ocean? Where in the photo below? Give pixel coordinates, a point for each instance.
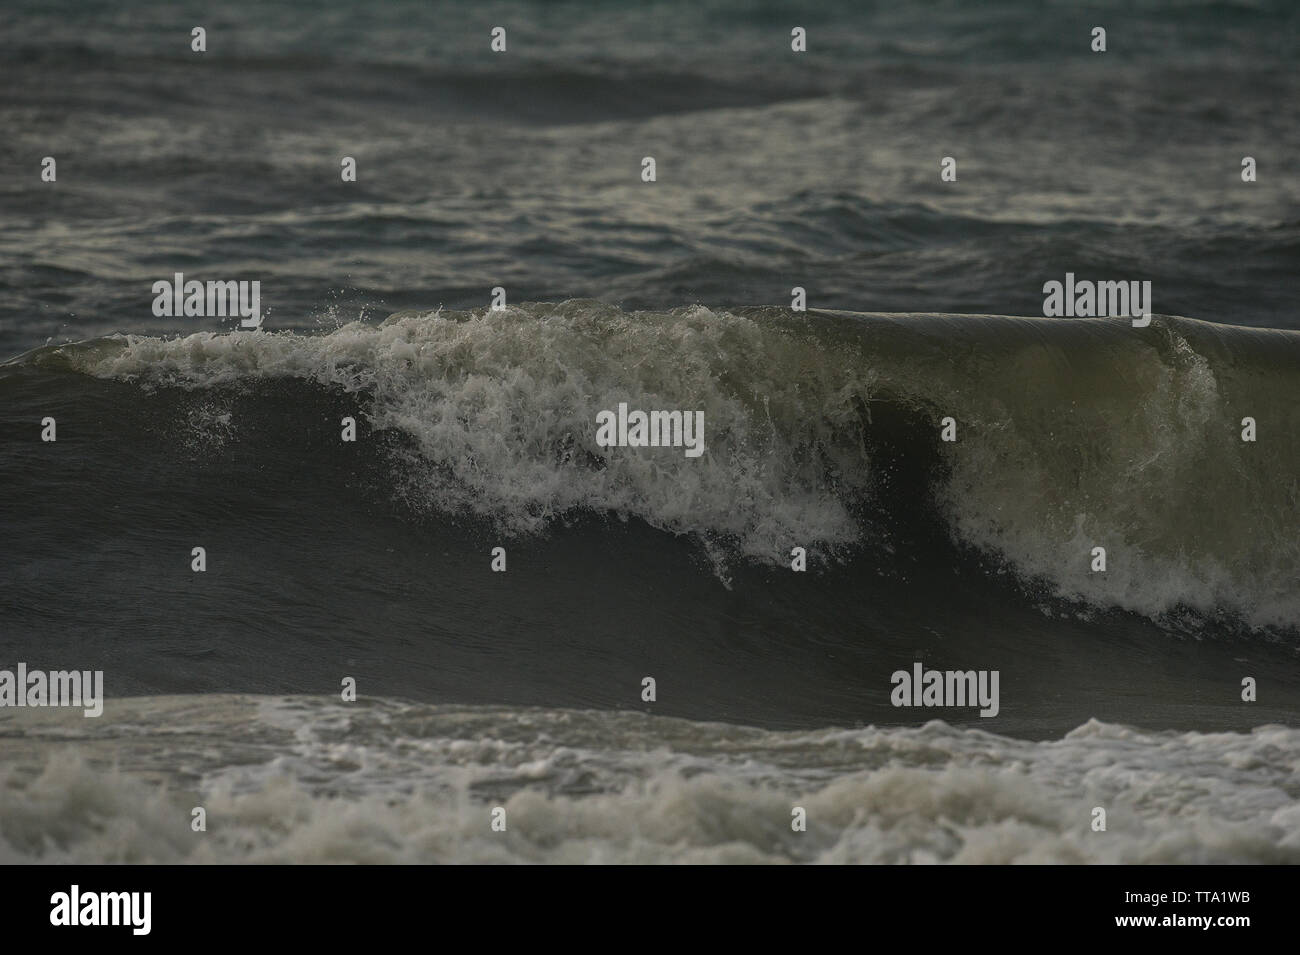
(370, 642)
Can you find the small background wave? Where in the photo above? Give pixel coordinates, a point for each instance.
(522, 170)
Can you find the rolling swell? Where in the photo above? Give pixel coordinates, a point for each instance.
(821, 431)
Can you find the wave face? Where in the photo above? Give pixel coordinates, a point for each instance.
(821, 431)
(477, 430)
(310, 780)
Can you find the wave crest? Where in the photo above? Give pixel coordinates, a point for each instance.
(821, 427)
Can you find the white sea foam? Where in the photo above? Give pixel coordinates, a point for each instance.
(307, 780)
(501, 408)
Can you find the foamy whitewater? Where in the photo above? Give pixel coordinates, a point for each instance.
(316, 781)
